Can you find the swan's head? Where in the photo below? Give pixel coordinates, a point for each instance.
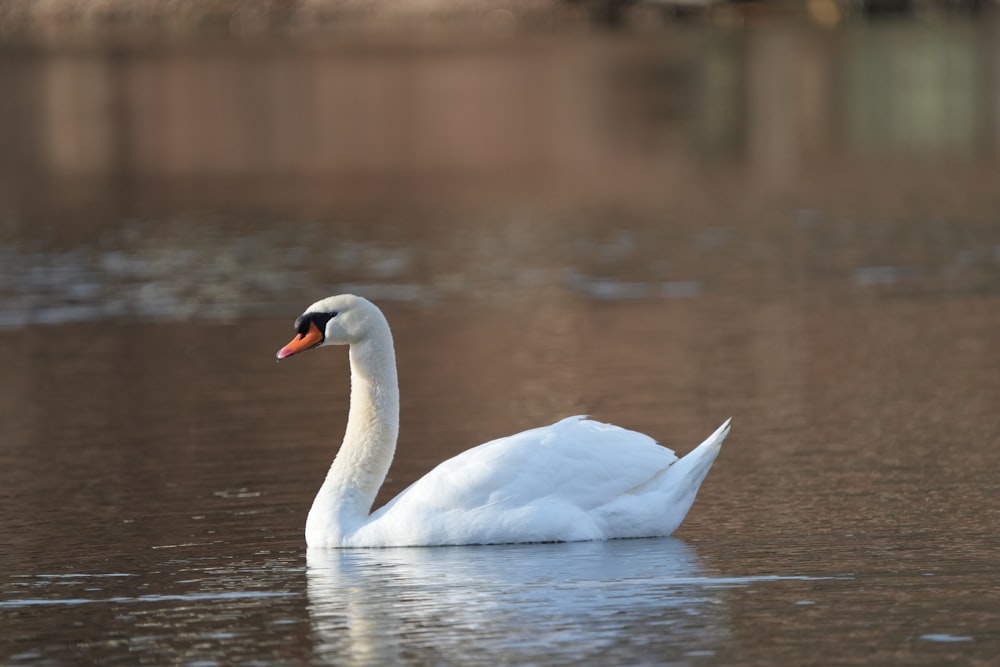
(337, 320)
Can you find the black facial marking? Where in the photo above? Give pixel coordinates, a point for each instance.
(319, 319)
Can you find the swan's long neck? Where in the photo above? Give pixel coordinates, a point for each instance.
(345, 499)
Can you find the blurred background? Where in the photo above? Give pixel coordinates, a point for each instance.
(179, 160)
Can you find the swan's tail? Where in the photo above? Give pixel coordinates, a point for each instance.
(686, 474)
(700, 459)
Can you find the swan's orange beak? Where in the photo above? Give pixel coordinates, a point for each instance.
(302, 342)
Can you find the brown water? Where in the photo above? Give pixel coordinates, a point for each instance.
(834, 289)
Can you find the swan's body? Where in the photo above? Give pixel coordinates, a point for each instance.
(574, 480)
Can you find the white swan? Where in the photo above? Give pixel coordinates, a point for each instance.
(574, 480)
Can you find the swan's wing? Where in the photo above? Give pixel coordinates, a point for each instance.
(575, 462)
(574, 480)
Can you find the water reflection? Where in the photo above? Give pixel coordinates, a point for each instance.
(550, 604)
(582, 121)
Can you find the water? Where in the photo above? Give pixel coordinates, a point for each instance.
(653, 248)
(157, 477)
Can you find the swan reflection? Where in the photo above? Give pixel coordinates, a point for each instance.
(628, 600)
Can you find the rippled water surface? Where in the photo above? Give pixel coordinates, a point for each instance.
(156, 478)
(667, 238)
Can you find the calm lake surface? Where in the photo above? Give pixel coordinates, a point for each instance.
(816, 257)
